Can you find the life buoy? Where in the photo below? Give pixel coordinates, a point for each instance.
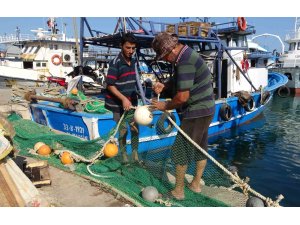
(242, 24)
(265, 97)
(284, 91)
(250, 105)
(56, 60)
(245, 64)
(225, 112)
(160, 125)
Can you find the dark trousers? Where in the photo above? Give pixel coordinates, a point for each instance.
(183, 152)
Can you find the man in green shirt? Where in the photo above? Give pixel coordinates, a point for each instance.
(194, 102)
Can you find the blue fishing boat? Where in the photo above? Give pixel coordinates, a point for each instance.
(242, 90)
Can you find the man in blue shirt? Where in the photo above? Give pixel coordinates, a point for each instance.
(121, 92)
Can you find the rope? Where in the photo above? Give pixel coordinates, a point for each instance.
(234, 177)
(100, 153)
(96, 174)
(163, 202)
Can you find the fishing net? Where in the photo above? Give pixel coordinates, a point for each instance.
(153, 165)
(89, 104)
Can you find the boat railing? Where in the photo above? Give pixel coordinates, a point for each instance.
(293, 35)
(11, 38)
(293, 63)
(189, 29)
(100, 54)
(230, 27)
(266, 55)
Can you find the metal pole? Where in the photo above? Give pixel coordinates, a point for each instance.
(220, 53)
(76, 40)
(81, 39)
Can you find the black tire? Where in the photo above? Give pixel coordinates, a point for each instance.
(225, 112)
(250, 106)
(160, 125)
(284, 91)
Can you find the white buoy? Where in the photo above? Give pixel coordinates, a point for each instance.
(143, 115)
(150, 193)
(254, 202)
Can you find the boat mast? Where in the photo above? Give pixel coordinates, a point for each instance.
(296, 25)
(78, 48)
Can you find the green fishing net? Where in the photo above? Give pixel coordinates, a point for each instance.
(154, 168)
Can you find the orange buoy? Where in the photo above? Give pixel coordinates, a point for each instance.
(74, 91)
(38, 145)
(66, 158)
(44, 150)
(110, 150)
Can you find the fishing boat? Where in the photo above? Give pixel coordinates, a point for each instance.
(241, 92)
(290, 62)
(35, 60)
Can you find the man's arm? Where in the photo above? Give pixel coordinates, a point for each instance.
(179, 99)
(125, 102)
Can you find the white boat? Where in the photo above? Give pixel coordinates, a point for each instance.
(259, 56)
(33, 60)
(290, 62)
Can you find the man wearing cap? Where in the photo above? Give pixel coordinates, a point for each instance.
(194, 103)
(121, 92)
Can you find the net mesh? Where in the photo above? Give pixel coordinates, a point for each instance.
(89, 104)
(150, 168)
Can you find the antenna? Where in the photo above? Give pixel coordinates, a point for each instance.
(18, 33)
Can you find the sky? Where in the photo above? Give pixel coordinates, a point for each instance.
(274, 25)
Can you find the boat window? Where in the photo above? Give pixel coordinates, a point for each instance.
(53, 47)
(292, 46)
(27, 65)
(289, 76)
(239, 41)
(74, 49)
(44, 64)
(298, 47)
(38, 64)
(208, 46)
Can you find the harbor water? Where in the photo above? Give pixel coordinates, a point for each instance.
(267, 150)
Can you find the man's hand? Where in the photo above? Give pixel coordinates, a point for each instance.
(158, 87)
(158, 105)
(126, 104)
